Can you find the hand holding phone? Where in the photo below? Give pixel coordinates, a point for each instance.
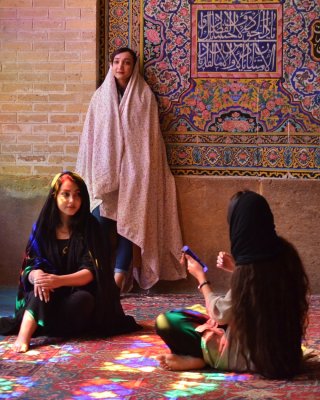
(187, 250)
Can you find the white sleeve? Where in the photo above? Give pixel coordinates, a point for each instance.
(219, 308)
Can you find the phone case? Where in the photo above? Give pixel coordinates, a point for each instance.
(187, 250)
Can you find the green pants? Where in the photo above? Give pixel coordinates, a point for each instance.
(177, 329)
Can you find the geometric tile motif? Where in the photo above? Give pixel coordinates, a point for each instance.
(235, 160)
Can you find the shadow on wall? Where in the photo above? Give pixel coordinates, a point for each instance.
(21, 199)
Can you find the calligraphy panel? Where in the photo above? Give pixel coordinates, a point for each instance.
(315, 40)
(238, 40)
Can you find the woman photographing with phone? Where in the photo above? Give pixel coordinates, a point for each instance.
(259, 325)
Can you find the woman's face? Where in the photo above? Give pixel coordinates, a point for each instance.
(68, 199)
(122, 68)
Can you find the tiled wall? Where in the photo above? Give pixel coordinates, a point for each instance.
(237, 82)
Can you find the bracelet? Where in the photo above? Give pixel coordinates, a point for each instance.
(203, 283)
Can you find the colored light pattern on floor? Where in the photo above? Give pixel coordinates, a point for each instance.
(134, 364)
(125, 367)
(13, 388)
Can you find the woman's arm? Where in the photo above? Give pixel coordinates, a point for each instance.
(218, 307)
(51, 281)
(196, 270)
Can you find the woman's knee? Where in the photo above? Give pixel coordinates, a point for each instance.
(80, 305)
(162, 322)
(79, 312)
(168, 321)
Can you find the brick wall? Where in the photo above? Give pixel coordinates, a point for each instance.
(47, 77)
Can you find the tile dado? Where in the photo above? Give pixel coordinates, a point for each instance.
(226, 154)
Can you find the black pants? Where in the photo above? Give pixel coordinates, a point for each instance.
(65, 314)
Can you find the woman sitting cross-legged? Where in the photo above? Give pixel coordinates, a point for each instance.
(259, 325)
(66, 282)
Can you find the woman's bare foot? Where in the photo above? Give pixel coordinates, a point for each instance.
(174, 362)
(27, 329)
(19, 347)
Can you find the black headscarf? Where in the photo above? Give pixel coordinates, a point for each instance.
(252, 231)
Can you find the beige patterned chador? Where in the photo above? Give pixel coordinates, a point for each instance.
(122, 159)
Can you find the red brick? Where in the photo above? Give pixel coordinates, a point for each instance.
(16, 107)
(36, 118)
(15, 170)
(30, 36)
(17, 128)
(33, 13)
(45, 148)
(31, 138)
(7, 159)
(48, 129)
(65, 13)
(56, 46)
(48, 3)
(33, 76)
(47, 171)
(81, 24)
(8, 118)
(50, 107)
(7, 138)
(31, 158)
(33, 97)
(7, 13)
(64, 118)
(63, 139)
(79, 3)
(16, 87)
(33, 56)
(48, 87)
(14, 25)
(16, 148)
(74, 129)
(64, 35)
(15, 3)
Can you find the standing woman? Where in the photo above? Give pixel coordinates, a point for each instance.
(123, 160)
(260, 323)
(65, 284)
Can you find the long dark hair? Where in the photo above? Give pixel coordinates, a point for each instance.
(44, 229)
(270, 306)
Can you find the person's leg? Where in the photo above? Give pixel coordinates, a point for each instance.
(123, 249)
(123, 261)
(33, 318)
(27, 328)
(177, 330)
(174, 362)
(73, 314)
(107, 225)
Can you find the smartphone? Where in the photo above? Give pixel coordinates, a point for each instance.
(187, 250)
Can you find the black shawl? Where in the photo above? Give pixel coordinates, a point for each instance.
(252, 231)
(85, 249)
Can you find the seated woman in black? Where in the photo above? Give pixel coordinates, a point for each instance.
(66, 285)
